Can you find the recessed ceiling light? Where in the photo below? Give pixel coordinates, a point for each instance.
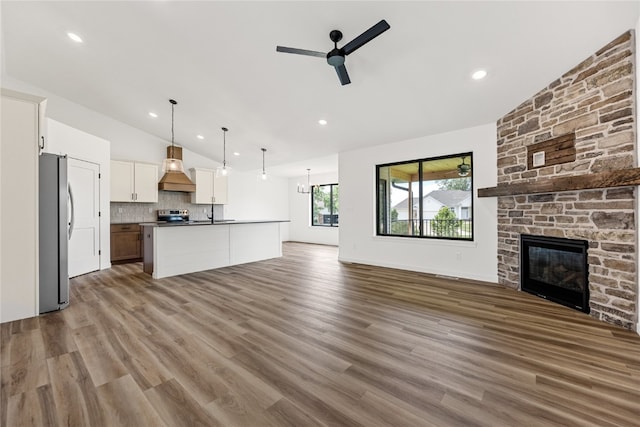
(76, 38)
(200, 137)
(235, 153)
(322, 122)
(154, 115)
(479, 74)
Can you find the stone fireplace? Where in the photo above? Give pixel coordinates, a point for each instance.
(581, 125)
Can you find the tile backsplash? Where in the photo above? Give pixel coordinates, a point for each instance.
(144, 212)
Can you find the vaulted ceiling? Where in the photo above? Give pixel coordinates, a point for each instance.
(219, 61)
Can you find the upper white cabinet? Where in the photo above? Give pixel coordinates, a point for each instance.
(220, 190)
(203, 179)
(21, 139)
(146, 182)
(122, 174)
(134, 182)
(209, 187)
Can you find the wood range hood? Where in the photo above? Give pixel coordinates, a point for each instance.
(176, 180)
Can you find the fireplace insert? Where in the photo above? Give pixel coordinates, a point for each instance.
(555, 269)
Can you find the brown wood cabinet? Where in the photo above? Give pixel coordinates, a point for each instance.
(126, 243)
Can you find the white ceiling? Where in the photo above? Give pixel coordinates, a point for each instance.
(218, 60)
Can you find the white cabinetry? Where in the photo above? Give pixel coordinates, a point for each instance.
(134, 182)
(209, 187)
(20, 136)
(146, 182)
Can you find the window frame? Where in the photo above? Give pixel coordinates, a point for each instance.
(331, 212)
(420, 162)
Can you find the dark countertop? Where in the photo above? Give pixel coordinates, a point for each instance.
(208, 222)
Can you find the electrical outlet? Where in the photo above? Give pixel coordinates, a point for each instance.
(459, 256)
(119, 210)
(150, 210)
(538, 159)
(204, 210)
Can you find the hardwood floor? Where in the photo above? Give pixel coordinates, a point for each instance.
(306, 341)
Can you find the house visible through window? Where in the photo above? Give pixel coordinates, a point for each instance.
(428, 198)
(324, 205)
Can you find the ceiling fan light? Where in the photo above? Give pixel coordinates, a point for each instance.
(335, 57)
(463, 168)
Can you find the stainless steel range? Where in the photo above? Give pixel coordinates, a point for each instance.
(173, 215)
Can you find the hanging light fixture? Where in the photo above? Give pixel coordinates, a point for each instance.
(224, 170)
(263, 176)
(172, 164)
(301, 188)
(463, 168)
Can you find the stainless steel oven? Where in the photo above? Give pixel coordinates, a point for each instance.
(173, 215)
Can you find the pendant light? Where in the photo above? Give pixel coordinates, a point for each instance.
(301, 188)
(463, 168)
(224, 170)
(263, 176)
(171, 164)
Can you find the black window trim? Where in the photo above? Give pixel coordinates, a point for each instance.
(330, 198)
(469, 155)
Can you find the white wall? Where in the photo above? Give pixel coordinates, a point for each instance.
(358, 240)
(247, 200)
(19, 138)
(63, 139)
(300, 229)
(252, 198)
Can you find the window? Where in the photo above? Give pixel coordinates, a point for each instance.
(427, 198)
(324, 205)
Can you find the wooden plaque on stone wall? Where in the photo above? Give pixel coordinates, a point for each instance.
(554, 151)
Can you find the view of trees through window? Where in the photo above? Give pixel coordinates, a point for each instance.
(324, 205)
(430, 198)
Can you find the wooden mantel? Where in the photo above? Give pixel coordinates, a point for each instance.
(621, 178)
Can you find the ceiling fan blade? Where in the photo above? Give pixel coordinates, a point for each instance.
(366, 37)
(343, 75)
(300, 51)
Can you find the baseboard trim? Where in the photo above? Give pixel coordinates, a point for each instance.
(435, 272)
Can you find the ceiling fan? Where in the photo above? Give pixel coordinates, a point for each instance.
(335, 57)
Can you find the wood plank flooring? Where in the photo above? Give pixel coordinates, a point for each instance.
(306, 341)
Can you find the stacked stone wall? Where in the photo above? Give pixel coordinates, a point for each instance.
(596, 101)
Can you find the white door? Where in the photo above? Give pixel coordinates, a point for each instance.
(84, 244)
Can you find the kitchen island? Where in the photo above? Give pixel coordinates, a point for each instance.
(173, 249)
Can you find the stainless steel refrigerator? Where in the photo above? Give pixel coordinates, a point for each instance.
(56, 225)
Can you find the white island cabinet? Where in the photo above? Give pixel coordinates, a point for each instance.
(170, 250)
